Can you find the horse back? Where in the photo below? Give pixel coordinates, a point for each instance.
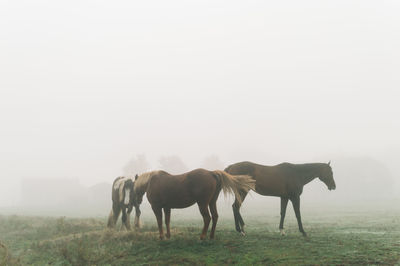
(270, 180)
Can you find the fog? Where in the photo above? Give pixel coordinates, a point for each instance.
(88, 87)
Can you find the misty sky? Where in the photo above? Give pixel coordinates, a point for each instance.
(86, 85)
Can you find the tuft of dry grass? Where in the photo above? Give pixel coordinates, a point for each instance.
(3, 254)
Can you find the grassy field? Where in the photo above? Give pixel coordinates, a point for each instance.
(363, 238)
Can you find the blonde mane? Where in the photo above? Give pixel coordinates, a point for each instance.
(144, 179)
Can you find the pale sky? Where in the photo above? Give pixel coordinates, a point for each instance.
(86, 85)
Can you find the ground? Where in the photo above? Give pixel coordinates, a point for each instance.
(336, 238)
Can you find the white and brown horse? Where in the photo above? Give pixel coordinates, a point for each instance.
(123, 200)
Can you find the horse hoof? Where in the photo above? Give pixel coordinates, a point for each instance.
(283, 233)
(138, 225)
(243, 233)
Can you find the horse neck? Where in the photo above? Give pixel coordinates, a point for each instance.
(142, 188)
(308, 172)
(141, 184)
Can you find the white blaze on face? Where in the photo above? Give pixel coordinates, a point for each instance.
(127, 192)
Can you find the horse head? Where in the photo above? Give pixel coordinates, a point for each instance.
(326, 176)
(138, 192)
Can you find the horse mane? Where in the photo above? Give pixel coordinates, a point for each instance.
(303, 166)
(144, 179)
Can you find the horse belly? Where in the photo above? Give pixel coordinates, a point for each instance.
(271, 188)
(180, 203)
(170, 197)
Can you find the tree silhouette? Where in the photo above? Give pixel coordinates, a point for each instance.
(212, 163)
(136, 165)
(172, 164)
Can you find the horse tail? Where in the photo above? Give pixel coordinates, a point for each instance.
(111, 222)
(116, 199)
(235, 183)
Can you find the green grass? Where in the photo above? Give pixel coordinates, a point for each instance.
(334, 239)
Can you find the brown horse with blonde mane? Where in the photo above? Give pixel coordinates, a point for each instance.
(284, 180)
(166, 192)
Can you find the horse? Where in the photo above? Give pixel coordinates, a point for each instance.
(123, 200)
(166, 192)
(284, 180)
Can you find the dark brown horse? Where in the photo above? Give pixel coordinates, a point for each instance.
(123, 200)
(284, 180)
(165, 191)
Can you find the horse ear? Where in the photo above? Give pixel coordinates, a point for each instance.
(136, 177)
(329, 163)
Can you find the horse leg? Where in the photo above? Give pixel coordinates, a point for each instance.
(235, 208)
(137, 217)
(243, 195)
(296, 207)
(167, 213)
(239, 223)
(128, 219)
(158, 212)
(206, 219)
(284, 202)
(124, 219)
(214, 215)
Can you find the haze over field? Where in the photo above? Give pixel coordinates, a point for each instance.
(85, 86)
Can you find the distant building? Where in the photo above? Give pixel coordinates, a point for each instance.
(100, 195)
(65, 197)
(50, 192)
